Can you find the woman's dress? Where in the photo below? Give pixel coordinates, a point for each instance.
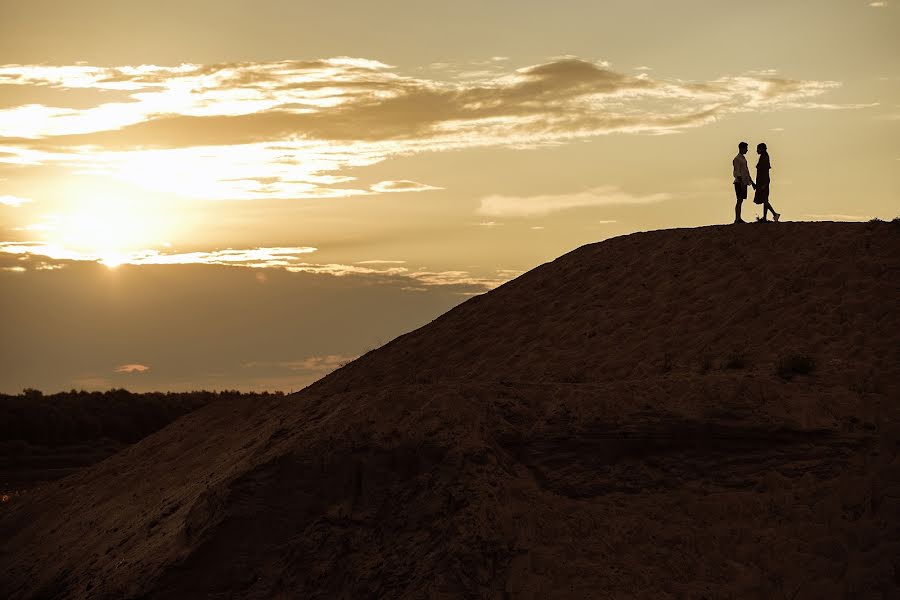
(761, 196)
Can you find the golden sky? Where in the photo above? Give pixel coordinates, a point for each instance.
(245, 194)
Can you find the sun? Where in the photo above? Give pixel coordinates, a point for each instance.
(111, 229)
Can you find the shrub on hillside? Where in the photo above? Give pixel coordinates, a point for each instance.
(798, 363)
(735, 360)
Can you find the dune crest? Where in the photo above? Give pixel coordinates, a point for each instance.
(699, 412)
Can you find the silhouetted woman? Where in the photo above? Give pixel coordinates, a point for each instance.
(762, 183)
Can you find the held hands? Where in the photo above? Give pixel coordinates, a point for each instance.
(753, 184)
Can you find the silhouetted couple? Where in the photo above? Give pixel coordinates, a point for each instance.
(742, 179)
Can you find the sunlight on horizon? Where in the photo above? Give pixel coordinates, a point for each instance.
(111, 228)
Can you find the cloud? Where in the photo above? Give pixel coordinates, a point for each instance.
(341, 270)
(132, 368)
(878, 4)
(253, 257)
(294, 129)
(14, 201)
(538, 206)
(41, 256)
(380, 262)
(328, 362)
(462, 278)
(402, 186)
(250, 257)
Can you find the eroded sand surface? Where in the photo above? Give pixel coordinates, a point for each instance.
(611, 424)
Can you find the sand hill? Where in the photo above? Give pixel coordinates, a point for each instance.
(688, 413)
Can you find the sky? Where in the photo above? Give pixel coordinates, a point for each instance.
(246, 195)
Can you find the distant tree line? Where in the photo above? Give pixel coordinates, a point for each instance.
(80, 416)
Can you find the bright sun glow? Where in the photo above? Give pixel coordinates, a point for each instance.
(106, 227)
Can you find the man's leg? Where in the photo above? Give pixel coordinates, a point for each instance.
(738, 188)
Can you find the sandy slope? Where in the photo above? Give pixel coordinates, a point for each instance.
(610, 424)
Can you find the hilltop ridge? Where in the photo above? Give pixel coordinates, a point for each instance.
(664, 300)
(673, 413)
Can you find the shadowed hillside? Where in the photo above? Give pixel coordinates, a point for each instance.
(46, 437)
(707, 412)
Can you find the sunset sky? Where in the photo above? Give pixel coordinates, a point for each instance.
(239, 194)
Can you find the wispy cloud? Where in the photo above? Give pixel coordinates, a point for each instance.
(878, 4)
(457, 278)
(132, 368)
(254, 257)
(539, 206)
(251, 257)
(328, 362)
(291, 260)
(294, 129)
(402, 186)
(14, 201)
(380, 262)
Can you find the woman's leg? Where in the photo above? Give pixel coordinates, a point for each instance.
(767, 207)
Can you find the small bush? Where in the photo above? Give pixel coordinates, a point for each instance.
(574, 375)
(668, 362)
(866, 383)
(795, 364)
(735, 360)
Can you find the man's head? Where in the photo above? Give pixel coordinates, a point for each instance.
(743, 147)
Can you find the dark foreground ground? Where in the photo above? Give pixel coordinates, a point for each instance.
(698, 413)
(46, 437)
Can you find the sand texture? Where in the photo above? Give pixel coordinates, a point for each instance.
(699, 413)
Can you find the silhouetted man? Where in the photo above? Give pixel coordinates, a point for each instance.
(741, 180)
